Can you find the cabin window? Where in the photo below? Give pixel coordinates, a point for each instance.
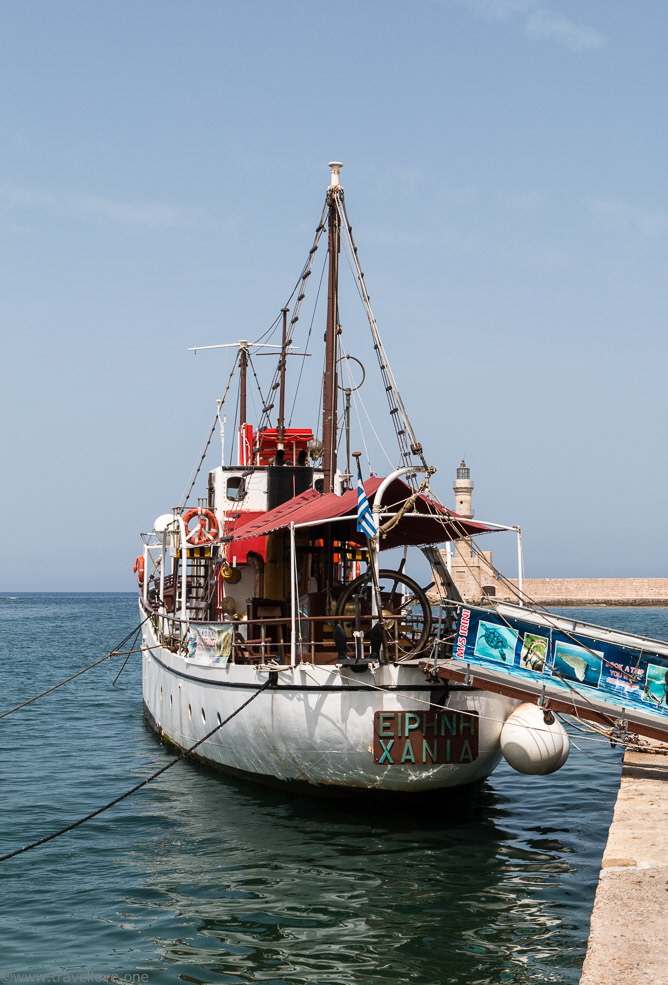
(236, 487)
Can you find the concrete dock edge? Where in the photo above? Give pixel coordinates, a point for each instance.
(628, 940)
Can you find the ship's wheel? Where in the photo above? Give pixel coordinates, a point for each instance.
(405, 607)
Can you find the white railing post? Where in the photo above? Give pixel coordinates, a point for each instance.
(377, 509)
(293, 597)
(520, 565)
(144, 587)
(184, 571)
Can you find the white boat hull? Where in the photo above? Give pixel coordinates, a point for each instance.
(315, 728)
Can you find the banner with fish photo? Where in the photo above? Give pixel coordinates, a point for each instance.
(620, 675)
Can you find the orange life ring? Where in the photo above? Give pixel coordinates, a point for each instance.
(207, 528)
(139, 569)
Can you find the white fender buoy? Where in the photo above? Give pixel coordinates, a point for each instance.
(532, 745)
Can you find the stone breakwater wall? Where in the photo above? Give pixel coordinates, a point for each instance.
(592, 591)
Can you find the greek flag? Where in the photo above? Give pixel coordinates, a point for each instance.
(365, 521)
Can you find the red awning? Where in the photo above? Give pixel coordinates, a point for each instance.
(424, 522)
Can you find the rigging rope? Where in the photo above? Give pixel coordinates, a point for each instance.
(301, 284)
(216, 421)
(409, 447)
(316, 302)
(391, 523)
(138, 786)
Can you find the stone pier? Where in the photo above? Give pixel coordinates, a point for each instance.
(628, 942)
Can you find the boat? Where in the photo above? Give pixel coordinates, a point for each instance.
(278, 643)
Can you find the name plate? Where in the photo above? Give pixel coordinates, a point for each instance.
(425, 738)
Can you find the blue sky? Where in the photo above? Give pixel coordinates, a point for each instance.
(163, 168)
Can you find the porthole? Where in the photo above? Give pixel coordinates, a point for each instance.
(161, 694)
(190, 712)
(220, 721)
(203, 715)
(171, 701)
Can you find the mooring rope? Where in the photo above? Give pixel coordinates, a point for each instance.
(117, 652)
(138, 786)
(133, 649)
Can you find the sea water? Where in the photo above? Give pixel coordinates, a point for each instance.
(201, 879)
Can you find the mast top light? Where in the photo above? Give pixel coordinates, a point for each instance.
(336, 171)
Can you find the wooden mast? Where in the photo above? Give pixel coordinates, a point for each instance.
(329, 410)
(280, 430)
(243, 372)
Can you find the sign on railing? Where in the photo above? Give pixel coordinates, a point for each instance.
(621, 675)
(210, 644)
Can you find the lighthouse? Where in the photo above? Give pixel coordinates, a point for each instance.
(471, 569)
(463, 486)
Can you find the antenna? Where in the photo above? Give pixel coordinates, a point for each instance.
(242, 344)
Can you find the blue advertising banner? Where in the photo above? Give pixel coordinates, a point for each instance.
(621, 675)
